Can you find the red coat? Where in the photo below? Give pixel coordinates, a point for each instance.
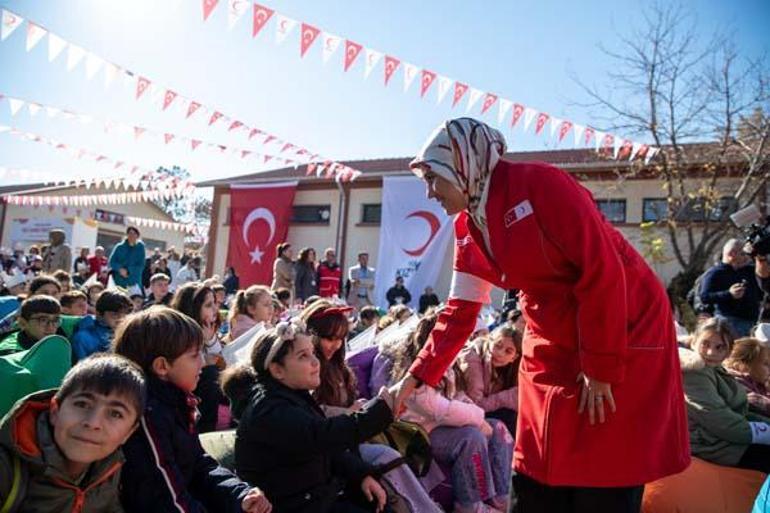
(591, 304)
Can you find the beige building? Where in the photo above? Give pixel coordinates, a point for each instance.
(92, 225)
(346, 216)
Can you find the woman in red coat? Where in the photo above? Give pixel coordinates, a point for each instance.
(601, 407)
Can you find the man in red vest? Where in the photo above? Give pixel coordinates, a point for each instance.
(329, 275)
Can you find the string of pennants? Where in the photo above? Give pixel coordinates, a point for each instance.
(141, 132)
(166, 98)
(45, 177)
(166, 186)
(86, 200)
(509, 112)
(142, 222)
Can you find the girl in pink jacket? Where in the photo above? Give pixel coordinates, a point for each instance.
(490, 367)
(479, 451)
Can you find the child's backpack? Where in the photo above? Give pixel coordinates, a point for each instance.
(412, 442)
(40, 367)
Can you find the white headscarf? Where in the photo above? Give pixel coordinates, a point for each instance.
(463, 151)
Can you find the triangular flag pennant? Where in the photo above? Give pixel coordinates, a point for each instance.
(34, 34)
(260, 18)
(410, 72)
(518, 110)
(372, 58)
(168, 98)
(642, 151)
(138, 131)
(608, 143)
(34, 108)
(245, 153)
(15, 105)
(55, 46)
(460, 90)
(577, 133)
(504, 106)
(634, 150)
(650, 154)
(234, 125)
(620, 147)
(74, 55)
(254, 131)
(214, 117)
(235, 11)
(268, 139)
(331, 43)
(93, 65)
(391, 64)
(564, 128)
(10, 22)
(168, 137)
(473, 98)
(542, 119)
(194, 143)
(283, 26)
(141, 86)
(590, 134)
(444, 83)
(192, 108)
(352, 49)
(426, 80)
(307, 38)
(555, 122)
(208, 6)
(110, 73)
(598, 138)
(267, 158)
(489, 100)
(529, 115)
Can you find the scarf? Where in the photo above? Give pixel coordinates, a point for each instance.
(463, 151)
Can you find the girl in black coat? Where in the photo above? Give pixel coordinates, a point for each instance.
(299, 458)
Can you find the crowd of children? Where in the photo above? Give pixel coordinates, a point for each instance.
(303, 428)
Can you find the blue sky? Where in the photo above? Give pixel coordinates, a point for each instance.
(525, 51)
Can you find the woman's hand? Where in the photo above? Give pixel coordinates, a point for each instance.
(209, 330)
(256, 502)
(373, 491)
(402, 390)
(594, 394)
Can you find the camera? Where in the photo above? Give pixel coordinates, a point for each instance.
(756, 229)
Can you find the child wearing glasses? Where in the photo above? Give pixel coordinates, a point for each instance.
(39, 317)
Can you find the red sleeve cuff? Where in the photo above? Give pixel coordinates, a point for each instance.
(603, 367)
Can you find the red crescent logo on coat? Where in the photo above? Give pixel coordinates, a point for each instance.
(254, 215)
(434, 224)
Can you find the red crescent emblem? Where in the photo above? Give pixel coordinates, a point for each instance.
(434, 224)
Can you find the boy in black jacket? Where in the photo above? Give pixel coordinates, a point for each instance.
(166, 468)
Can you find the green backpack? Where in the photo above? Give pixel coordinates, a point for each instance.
(40, 367)
(412, 442)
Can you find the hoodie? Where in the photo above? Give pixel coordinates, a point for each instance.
(26, 436)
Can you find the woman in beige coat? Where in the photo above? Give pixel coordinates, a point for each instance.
(283, 268)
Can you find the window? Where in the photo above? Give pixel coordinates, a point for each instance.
(654, 209)
(613, 209)
(371, 213)
(311, 214)
(694, 209)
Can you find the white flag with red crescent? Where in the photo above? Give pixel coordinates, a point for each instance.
(414, 236)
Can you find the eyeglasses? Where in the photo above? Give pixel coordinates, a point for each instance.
(53, 322)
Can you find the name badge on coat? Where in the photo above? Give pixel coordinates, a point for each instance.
(517, 213)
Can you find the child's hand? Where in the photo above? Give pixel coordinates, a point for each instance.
(356, 406)
(256, 502)
(373, 491)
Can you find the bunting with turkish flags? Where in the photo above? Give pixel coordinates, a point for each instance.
(259, 220)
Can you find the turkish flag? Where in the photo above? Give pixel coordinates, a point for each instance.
(259, 220)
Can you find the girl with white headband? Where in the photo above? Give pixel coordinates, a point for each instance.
(303, 460)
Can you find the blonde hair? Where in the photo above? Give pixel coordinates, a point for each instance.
(243, 299)
(746, 351)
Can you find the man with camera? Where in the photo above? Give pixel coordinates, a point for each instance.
(735, 287)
